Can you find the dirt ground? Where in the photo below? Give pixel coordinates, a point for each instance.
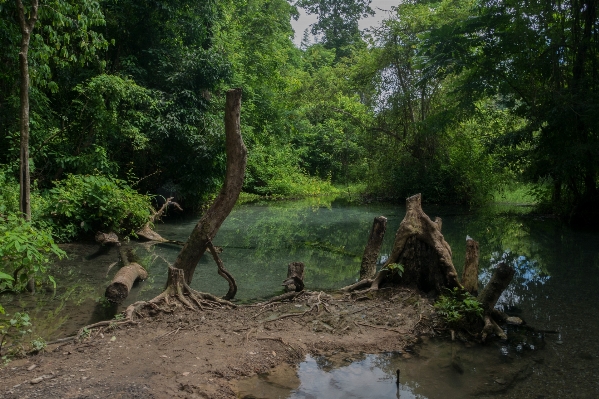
(186, 354)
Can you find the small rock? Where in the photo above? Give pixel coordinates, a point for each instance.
(31, 367)
(113, 339)
(559, 342)
(274, 353)
(165, 356)
(38, 379)
(500, 381)
(185, 374)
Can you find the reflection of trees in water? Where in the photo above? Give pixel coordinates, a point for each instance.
(528, 275)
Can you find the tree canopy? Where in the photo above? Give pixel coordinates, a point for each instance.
(457, 99)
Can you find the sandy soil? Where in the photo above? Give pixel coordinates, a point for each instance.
(187, 354)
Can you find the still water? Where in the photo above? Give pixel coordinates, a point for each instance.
(555, 288)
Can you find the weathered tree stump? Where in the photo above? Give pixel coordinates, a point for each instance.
(470, 273)
(420, 247)
(373, 247)
(422, 250)
(501, 278)
(295, 277)
(122, 282)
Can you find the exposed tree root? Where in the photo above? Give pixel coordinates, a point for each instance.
(224, 273)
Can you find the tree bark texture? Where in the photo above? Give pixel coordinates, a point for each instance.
(470, 273)
(295, 277)
(122, 282)
(420, 247)
(373, 247)
(208, 225)
(501, 278)
(26, 25)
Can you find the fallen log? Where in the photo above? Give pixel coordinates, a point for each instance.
(122, 282)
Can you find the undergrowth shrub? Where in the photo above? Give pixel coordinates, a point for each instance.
(81, 204)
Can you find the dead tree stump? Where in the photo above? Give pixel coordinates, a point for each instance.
(470, 273)
(295, 277)
(420, 247)
(373, 247)
(122, 282)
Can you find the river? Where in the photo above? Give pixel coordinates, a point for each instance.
(555, 288)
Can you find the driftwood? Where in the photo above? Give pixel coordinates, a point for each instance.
(122, 282)
(147, 233)
(295, 277)
(470, 274)
(373, 247)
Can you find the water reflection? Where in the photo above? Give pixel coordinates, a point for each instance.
(528, 275)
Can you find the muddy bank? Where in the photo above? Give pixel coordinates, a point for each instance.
(198, 354)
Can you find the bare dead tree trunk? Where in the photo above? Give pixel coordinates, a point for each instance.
(373, 247)
(501, 278)
(211, 221)
(470, 274)
(27, 25)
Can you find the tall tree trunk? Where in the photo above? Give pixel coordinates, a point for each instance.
(211, 221)
(26, 25)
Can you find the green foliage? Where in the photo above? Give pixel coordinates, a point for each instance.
(277, 175)
(396, 269)
(81, 204)
(458, 307)
(338, 21)
(13, 329)
(25, 253)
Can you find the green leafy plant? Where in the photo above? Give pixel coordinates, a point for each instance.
(396, 269)
(38, 344)
(25, 252)
(458, 307)
(13, 329)
(81, 204)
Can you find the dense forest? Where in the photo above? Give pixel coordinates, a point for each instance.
(108, 105)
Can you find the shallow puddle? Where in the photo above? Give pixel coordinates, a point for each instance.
(438, 369)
